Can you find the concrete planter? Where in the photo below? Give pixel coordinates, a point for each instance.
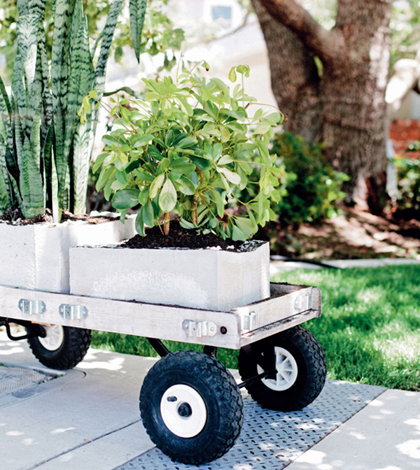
(211, 279)
(37, 256)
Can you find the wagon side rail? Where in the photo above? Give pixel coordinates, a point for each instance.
(288, 306)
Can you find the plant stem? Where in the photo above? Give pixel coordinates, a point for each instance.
(194, 211)
(166, 223)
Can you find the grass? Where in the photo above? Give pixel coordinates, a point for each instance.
(369, 328)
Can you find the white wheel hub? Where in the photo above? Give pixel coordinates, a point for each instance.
(54, 338)
(286, 371)
(183, 411)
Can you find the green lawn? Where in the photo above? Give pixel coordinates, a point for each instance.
(369, 328)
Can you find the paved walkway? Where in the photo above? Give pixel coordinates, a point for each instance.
(88, 418)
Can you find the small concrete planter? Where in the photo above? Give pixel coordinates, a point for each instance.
(211, 278)
(37, 256)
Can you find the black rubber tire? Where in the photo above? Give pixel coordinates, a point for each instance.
(311, 369)
(76, 342)
(218, 390)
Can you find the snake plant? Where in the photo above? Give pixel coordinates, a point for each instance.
(44, 148)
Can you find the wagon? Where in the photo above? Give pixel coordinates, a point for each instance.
(190, 404)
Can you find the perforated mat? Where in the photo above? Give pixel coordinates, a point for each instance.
(16, 379)
(271, 439)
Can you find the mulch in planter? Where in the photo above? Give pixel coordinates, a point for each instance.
(179, 237)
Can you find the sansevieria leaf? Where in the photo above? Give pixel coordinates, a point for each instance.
(60, 69)
(5, 189)
(30, 182)
(137, 13)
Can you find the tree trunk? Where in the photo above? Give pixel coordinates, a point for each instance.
(347, 102)
(294, 77)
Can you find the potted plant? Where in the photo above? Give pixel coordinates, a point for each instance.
(179, 154)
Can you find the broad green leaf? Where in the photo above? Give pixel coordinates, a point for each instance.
(184, 141)
(186, 106)
(225, 160)
(125, 199)
(201, 163)
(186, 186)
(143, 175)
(139, 224)
(234, 178)
(244, 69)
(98, 162)
(133, 166)
(104, 177)
(237, 234)
(117, 185)
(221, 85)
(167, 107)
(183, 166)
(224, 134)
(148, 214)
(217, 152)
(185, 224)
(110, 139)
(144, 196)
(262, 128)
(141, 140)
(235, 126)
(156, 185)
(153, 151)
(219, 202)
(167, 196)
(232, 74)
(262, 148)
(121, 177)
(247, 226)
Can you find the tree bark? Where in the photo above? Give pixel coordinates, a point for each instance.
(294, 77)
(348, 99)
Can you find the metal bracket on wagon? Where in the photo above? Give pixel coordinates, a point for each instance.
(199, 329)
(249, 322)
(32, 307)
(73, 312)
(303, 302)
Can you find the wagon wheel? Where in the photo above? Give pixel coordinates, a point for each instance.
(191, 407)
(298, 364)
(62, 348)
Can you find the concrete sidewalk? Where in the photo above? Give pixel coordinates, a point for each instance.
(88, 418)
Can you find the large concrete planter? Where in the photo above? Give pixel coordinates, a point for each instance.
(211, 278)
(37, 256)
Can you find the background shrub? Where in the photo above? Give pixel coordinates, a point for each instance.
(312, 188)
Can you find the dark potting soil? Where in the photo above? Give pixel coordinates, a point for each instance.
(16, 217)
(179, 237)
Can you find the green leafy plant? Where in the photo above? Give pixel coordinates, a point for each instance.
(44, 149)
(184, 149)
(408, 170)
(312, 187)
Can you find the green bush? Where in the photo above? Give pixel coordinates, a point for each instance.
(312, 187)
(408, 169)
